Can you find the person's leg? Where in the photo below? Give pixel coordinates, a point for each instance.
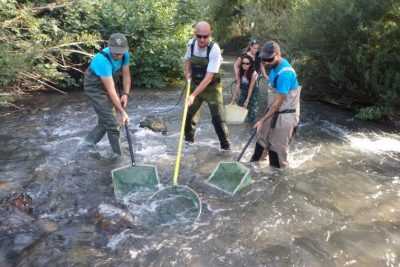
(274, 159)
(95, 135)
(107, 121)
(243, 95)
(215, 104)
(258, 152)
(97, 98)
(192, 119)
(279, 148)
(253, 106)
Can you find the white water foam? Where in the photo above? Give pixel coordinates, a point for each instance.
(375, 144)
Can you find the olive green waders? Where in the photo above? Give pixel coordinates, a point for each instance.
(213, 96)
(106, 115)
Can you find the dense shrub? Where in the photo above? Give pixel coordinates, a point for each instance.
(349, 51)
(59, 41)
(346, 51)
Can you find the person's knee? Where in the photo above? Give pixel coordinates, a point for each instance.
(217, 118)
(112, 126)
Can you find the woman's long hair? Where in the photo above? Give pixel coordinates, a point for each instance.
(250, 71)
(251, 43)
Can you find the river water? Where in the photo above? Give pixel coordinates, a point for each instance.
(337, 205)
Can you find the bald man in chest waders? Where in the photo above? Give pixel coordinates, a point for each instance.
(100, 85)
(202, 63)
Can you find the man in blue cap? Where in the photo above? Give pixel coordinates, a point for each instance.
(276, 128)
(100, 85)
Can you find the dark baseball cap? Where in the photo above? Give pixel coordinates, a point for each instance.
(118, 43)
(269, 50)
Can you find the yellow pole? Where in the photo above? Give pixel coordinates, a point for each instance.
(178, 154)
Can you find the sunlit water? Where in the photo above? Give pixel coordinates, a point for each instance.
(337, 205)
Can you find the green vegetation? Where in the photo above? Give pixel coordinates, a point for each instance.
(49, 45)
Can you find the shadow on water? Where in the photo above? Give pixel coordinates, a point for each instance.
(336, 206)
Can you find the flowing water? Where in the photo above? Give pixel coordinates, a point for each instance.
(337, 205)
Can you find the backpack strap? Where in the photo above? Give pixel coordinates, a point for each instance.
(192, 48)
(107, 56)
(209, 47)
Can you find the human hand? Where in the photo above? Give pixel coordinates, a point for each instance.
(191, 100)
(122, 117)
(124, 100)
(258, 125)
(246, 103)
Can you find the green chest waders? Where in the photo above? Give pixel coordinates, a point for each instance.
(214, 98)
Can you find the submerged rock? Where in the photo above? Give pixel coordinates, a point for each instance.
(155, 124)
(20, 201)
(19, 230)
(112, 219)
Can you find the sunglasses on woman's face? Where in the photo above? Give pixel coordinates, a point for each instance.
(245, 63)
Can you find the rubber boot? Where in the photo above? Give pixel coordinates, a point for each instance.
(95, 135)
(113, 138)
(258, 152)
(274, 159)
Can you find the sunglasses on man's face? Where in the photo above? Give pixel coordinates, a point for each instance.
(199, 36)
(268, 60)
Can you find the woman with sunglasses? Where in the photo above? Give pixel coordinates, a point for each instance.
(247, 91)
(252, 50)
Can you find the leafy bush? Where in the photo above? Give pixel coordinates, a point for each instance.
(349, 50)
(60, 42)
(155, 32)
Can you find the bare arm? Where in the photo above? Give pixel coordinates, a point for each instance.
(274, 106)
(187, 69)
(263, 71)
(126, 79)
(109, 85)
(236, 68)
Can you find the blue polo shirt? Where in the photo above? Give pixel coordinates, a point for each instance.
(286, 80)
(101, 66)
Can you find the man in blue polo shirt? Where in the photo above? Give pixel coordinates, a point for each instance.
(101, 86)
(276, 128)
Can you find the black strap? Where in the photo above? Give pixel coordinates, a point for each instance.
(107, 56)
(209, 47)
(287, 111)
(276, 115)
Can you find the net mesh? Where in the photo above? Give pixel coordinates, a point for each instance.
(175, 204)
(230, 177)
(132, 179)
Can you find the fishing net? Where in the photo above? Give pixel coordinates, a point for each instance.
(130, 179)
(230, 177)
(175, 204)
